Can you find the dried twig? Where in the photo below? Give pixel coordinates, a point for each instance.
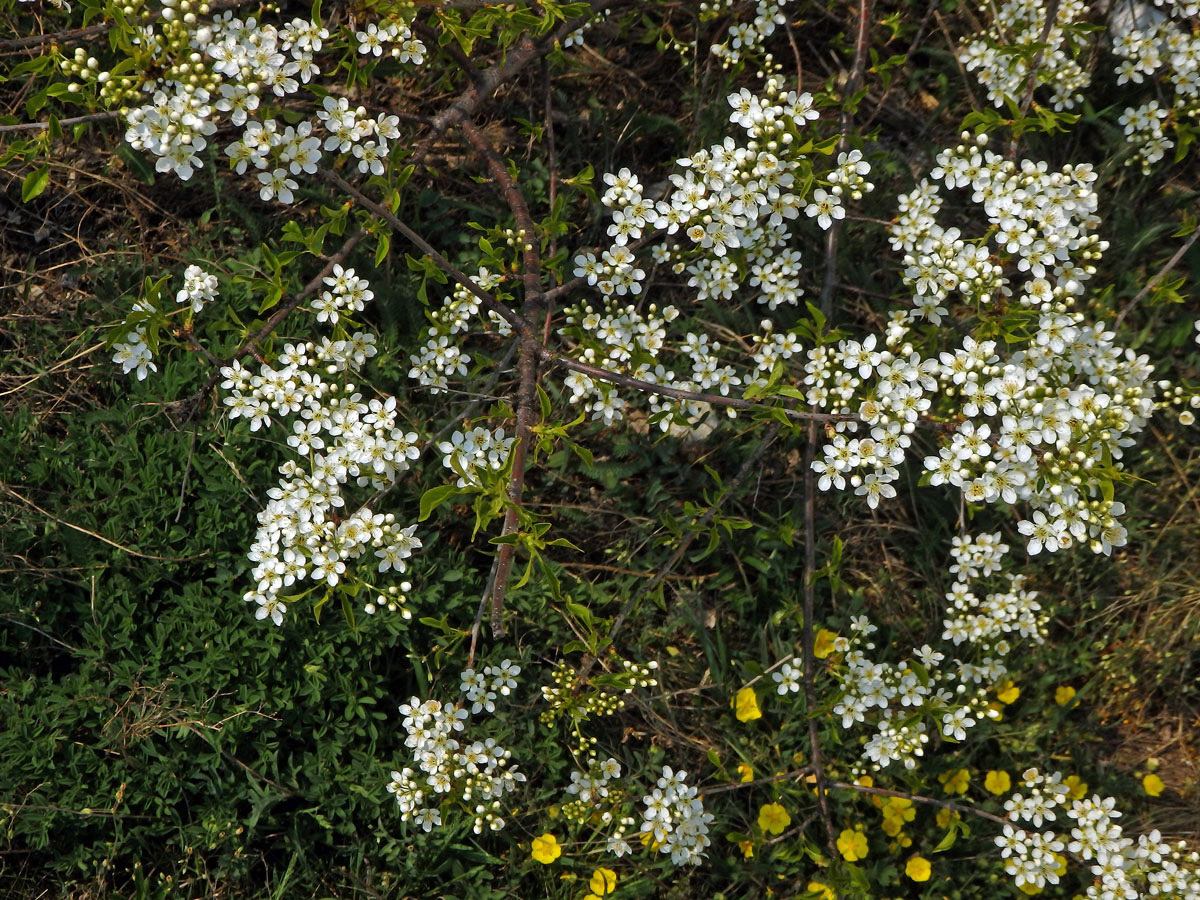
(49, 515)
(1153, 282)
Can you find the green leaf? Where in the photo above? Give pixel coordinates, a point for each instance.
(35, 183)
(381, 250)
(435, 497)
(948, 841)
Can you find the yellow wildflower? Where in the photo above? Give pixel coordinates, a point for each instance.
(998, 782)
(1076, 786)
(1064, 694)
(823, 643)
(773, 818)
(745, 772)
(897, 811)
(823, 891)
(603, 881)
(1007, 692)
(1153, 785)
(545, 849)
(852, 844)
(918, 869)
(745, 705)
(747, 848)
(955, 782)
(946, 816)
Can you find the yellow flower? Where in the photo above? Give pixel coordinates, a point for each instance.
(745, 705)
(773, 818)
(1007, 692)
(1077, 787)
(545, 849)
(747, 848)
(1064, 694)
(955, 782)
(1030, 888)
(823, 891)
(865, 781)
(603, 881)
(823, 643)
(852, 844)
(745, 771)
(998, 782)
(897, 811)
(1153, 785)
(946, 816)
(647, 839)
(918, 869)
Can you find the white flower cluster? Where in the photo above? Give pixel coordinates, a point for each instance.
(346, 291)
(1001, 56)
(1156, 42)
(1057, 413)
(234, 67)
(175, 127)
(482, 688)
(441, 357)
(744, 38)
(593, 785)
(575, 38)
(674, 817)
(734, 203)
(199, 287)
(989, 622)
(596, 795)
(343, 439)
(449, 770)
(899, 698)
(133, 354)
(375, 39)
(1124, 869)
(467, 453)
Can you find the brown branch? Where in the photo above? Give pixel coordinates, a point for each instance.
(740, 785)
(76, 120)
(489, 301)
(519, 322)
(917, 798)
(252, 344)
(1031, 84)
(528, 356)
(484, 83)
(694, 396)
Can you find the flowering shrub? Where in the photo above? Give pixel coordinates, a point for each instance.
(689, 294)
